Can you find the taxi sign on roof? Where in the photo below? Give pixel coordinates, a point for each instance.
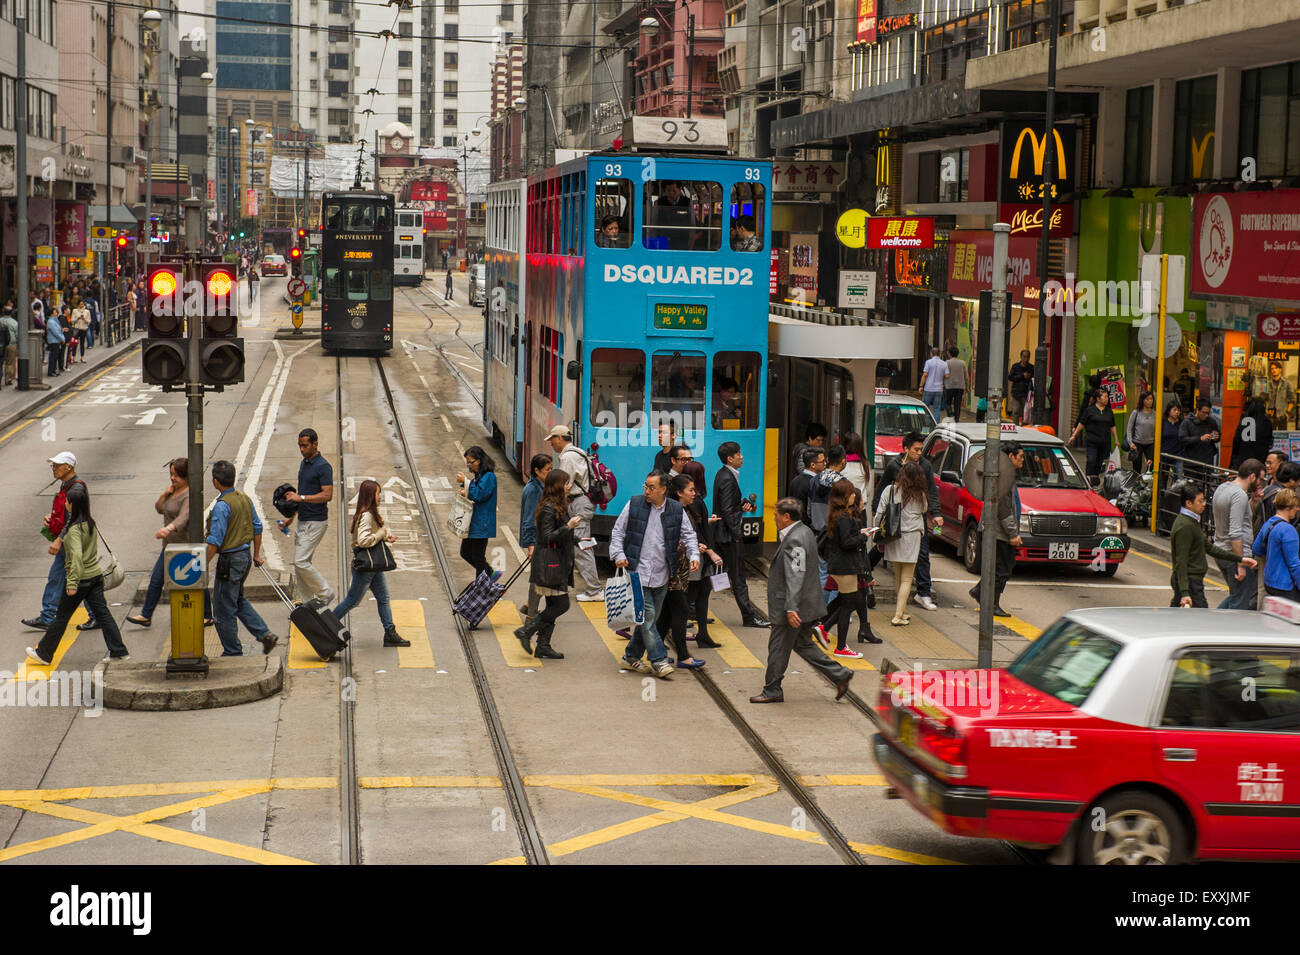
(1009, 428)
(882, 391)
(1287, 610)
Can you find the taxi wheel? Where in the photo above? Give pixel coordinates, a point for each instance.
(1131, 828)
(970, 548)
(1110, 569)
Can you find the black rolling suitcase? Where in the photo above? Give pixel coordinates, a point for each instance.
(322, 629)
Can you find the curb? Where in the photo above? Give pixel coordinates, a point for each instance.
(67, 386)
(145, 686)
(1156, 547)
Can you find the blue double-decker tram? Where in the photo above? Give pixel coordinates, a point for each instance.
(504, 360)
(645, 306)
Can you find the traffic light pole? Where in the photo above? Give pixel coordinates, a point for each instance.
(193, 421)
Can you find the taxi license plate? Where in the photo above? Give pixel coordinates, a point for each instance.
(1062, 551)
(906, 731)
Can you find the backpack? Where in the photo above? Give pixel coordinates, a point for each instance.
(602, 485)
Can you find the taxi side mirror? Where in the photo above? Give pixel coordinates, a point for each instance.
(950, 477)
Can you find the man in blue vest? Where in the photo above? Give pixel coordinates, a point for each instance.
(645, 540)
(234, 538)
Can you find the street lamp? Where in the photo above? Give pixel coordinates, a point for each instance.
(465, 150)
(151, 47)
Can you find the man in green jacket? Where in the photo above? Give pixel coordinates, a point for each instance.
(1187, 541)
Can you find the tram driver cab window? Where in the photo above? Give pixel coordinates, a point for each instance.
(746, 217)
(677, 386)
(682, 216)
(613, 213)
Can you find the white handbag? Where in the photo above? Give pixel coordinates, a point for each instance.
(112, 571)
(624, 602)
(461, 513)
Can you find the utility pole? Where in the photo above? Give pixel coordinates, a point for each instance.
(993, 445)
(108, 164)
(1049, 187)
(690, 59)
(20, 168)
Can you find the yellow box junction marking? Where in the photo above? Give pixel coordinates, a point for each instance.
(734, 653)
(28, 670)
(205, 794)
(504, 619)
(595, 611)
(408, 618)
(1022, 627)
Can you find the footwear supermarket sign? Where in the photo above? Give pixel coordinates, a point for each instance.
(1247, 244)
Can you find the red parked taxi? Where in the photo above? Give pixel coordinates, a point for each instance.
(1121, 736)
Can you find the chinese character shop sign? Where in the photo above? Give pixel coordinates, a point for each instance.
(866, 26)
(1247, 244)
(895, 232)
(807, 176)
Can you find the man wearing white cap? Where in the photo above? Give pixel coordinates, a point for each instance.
(64, 467)
(577, 465)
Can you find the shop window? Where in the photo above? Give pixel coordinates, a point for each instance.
(617, 387)
(613, 219)
(1194, 104)
(948, 47)
(682, 216)
(746, 214)
(736, 381)
(1137, 136)
(677, 382)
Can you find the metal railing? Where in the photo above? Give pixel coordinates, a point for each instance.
(822, 316)
(116, 326)
(1174, 472)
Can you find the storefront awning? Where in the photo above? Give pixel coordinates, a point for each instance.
(806, 333)
(122, 216)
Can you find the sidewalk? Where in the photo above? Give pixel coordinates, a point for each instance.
(16, 405)
(1141, 539)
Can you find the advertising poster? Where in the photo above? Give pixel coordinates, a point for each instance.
(1112, 379)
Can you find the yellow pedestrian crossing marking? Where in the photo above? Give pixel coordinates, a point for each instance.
(734, 653)
(861, 663)
(301, 654)
(28, 671)
(1022, 627)
(408, 618)
(595, 611)
(505, 619)
(148, 823)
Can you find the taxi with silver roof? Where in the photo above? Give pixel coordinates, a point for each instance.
(1062, 521)
(896, 415)
(1121, 736)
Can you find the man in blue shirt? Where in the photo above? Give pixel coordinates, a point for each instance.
(315, 491)
(233, 527)
(933, 376)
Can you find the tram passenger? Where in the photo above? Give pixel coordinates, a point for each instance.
(551, 572)
(743, 238)
(539, 467)
(701, 587)
(671, 223)
(729, 506)
(667, 441)
(724, 402)
(574, 462)
(847, 539)
(814, 436)
(482, 491)
(611, 234)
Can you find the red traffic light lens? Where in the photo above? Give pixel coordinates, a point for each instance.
(162, 283)
(121, 242)
(220, 283)
(295, 253)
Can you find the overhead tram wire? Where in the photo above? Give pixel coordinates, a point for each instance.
(374, 90)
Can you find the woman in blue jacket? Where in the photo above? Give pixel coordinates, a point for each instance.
(1279, 543)
(482, 491)
(54, 344)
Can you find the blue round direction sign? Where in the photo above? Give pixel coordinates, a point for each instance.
(184, 570)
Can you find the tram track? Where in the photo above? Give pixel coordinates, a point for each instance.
(530, 839)
(349, 786)
(451, 365)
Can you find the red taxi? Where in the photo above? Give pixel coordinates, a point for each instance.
(1121, 736)
(896, 415)
(1062, 520)
(274, 265)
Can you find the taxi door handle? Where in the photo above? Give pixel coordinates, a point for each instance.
(1173, 755)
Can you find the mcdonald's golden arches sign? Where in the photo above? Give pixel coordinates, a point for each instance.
(1024, 154)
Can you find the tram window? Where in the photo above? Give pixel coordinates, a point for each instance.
(746, 215)
(682, 215)
(381, 285)
(613, 203)
(358, 285)
(332, 283)
(617, 387)
(677, 382)
(735, 390)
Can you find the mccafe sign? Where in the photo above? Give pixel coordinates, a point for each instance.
(1024, 150)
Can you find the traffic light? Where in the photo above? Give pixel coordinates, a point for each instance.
(121, 243)
(164, 352)
(221, 350)
(295, 260)
(302, 235)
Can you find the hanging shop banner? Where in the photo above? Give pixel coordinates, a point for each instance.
(970, 265)
(866, 30)
(250, 202)
(40, 224)
(1246, 244)
(774, 275)
(897, 232)
(1024, 155)
(427, 190)
(70, 228)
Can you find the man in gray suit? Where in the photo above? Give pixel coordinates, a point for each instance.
(795, 602)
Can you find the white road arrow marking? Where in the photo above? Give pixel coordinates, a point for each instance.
(146, 417)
